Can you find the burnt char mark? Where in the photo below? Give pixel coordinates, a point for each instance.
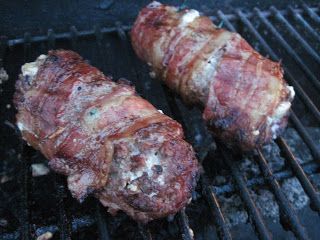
(52, 57)
(226, 122)
(157, 169)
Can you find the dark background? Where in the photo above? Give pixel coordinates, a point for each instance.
(17, 16)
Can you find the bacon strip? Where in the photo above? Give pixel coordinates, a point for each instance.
(104, 137)
(245, 98)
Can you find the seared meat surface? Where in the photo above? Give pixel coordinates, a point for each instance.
(104, 137)
(245, 98)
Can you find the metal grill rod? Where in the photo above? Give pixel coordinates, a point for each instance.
(24, 216)
(64, 223)
(254, 212)
(294, 32)
(275, 57)
(297, 169)
(66, 35)
(311, 13)
(144, 232)
(184, 225)
(305, 136)
(222, 228)
(289, 49)
(77, 225)
(308, 168)
(298, 17)
(73, 37)
(101, 222)
(287, 213)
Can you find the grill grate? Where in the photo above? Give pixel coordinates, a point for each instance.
(105, 44)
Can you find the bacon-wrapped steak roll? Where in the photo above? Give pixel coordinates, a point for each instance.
(104, 137)
(245, 98)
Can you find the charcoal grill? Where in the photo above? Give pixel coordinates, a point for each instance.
(31, 206)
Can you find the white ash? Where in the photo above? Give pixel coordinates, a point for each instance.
(191, 233)
(294, 192)
(249, 168)
(45, 236)
(266, 203)
(219, 180)
(39, 169)
(152, 74)
(5, 178)
(271, 153)
(297, 146)
(3, 75)
(233, 209)
(315, 180)
(231, 203)
(3, 222)
(235, 213)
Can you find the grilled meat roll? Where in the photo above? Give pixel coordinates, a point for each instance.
(245, 98)
(104, 137)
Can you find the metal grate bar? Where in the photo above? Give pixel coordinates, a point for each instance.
(223, 229)
(254, 213)
(305, 136)
(309, 73)
(77, 225)
(84, 33)
(51, 39)
(74, 37)
(24, 214)
(287, 213)
(311, 13)
(64, 223)
(101, 222)
(65, 35)
(226, 21)
(187, 233)
(308, 102)
(297, 169)
(3, 48)
(298, 17)
(308, 168)
(288, 48)
(144, 232)
(294, 32)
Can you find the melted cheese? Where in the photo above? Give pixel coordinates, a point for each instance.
(189, 17)
(154, 4)
(31, 69)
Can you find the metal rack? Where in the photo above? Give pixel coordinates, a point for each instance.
(170, 104)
